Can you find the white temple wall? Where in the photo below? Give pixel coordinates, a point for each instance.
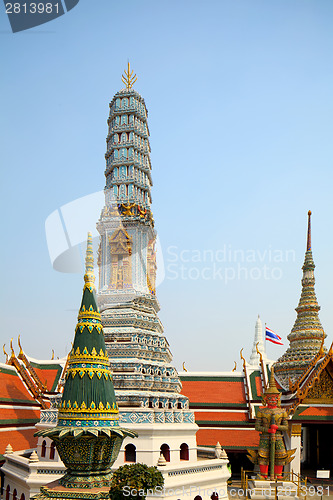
(152, 436)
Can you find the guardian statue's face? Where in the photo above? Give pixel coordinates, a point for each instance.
(272, 400)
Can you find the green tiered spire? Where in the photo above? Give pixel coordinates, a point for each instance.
(307, 334)
(89, 393)
(88, 436)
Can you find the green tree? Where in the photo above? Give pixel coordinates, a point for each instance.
(131, 482)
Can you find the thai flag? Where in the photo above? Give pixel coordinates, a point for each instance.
(272, 337)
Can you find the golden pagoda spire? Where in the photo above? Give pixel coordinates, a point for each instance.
(308, 243)
(272, 389)
(89, 276)
(129, 79)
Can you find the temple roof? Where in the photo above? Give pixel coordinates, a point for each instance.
(19, 410)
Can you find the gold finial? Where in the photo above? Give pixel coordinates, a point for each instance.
(52, 357)
(272, 389)
(184, 367)
(308, 243)
(3, 347)
(11, 346)
(235, 367)
(242, 358)
(21, 350)
(128, 79)
(258, 352)
(89, 276)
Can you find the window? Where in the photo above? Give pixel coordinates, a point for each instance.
(184, 452)
(130, 453)
(22, 496)
(52, 451)
(44, 448)
(7, 492)
(15, 495)
(165, 450)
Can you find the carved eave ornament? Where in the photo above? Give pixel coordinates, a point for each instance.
(317, 387)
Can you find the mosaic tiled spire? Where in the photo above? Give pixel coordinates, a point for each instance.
(138, 350)
(127, 248)
(307, 334)
(128, 166)
(87, 435)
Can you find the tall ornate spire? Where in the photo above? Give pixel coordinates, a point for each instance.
(138, 350)
(88, 417)
(128, 178)
(127, 256)
(307, 333)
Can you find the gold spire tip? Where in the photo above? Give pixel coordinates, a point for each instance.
(89, 271)
(128, 78)
(272, 389)
(308, 243)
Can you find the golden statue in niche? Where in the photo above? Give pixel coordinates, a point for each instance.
(151, 266)
(121, 263)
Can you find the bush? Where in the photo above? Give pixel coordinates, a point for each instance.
(131, 482)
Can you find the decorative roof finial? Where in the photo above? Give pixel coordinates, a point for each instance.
(19, 343)
(5, 353)
(308, 244)
(11, 346)
(128, 79)
(89, 276)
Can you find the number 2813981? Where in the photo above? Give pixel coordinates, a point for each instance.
(32, 8)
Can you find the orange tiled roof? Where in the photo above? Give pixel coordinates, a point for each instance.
(213, 391)
(12, 387)
(240, 439)
(258, 386)
(12, 414)
(48, 376)
(319, 412)
(18, 439)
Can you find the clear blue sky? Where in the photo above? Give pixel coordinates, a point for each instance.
(240, 100)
